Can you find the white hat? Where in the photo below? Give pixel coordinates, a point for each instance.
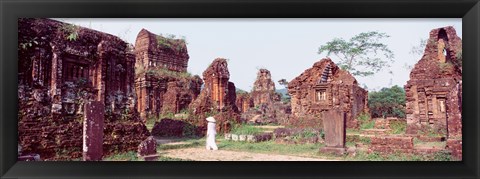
(210, 119)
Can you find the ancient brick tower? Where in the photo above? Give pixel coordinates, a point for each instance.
(220, 91)
(263, 91)
(434, 91)
(153, 50)
(218, 94)
(325, 86)
(217, 97)
(161, 82)
(61, 67)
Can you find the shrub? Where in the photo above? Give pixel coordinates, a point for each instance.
(388, 102)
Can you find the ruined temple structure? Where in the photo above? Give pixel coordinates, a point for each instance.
(218, 91)
(323, 87)
(263, 91)
(218, 96)
(162, 82)
(266, 103)
(434, 91)
(61, 67)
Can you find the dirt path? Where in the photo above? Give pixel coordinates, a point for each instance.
(201, 154)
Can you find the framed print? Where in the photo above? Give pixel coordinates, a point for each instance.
(250, 89)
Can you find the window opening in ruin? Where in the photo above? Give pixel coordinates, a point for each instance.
(321, 95)
(74, 71)
(441, 105)
(442, 45)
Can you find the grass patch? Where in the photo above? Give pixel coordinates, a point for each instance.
(246, 130)
(350, 144)
(270, 147)
(365, 121)
(132, 156)
(151, 122)
(366, 140)
(419, 143)
(163, 158)
(187, 144)
(353, 131)
(398, 127)
(374, 156)
(128, 156)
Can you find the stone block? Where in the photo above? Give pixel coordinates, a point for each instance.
(93, 131)
(334, 127)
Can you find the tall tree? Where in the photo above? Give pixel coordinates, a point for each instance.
(361, 55)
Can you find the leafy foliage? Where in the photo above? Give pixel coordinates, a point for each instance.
(388, 102)
(360, 54)
(163, 72)
(169, 42)
(71, 31)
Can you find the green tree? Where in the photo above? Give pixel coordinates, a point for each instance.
(361, 54)
(285, 98)
(388, 102)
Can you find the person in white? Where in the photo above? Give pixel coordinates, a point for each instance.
(211, 134)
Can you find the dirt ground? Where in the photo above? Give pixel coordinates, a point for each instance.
(201, 154)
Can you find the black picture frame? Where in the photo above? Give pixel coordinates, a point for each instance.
(468, 10)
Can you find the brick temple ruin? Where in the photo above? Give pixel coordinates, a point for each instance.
(263, 91)
(434, 91)
(218, 96)
(263, 104)
(86, 93)
(323, 87)
(162, 82)
(61, 67)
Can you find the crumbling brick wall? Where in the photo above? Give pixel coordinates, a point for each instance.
(244, 102)
(162, 82)
(61, 66)
(391, 144)
(323, 87)
(433, 93)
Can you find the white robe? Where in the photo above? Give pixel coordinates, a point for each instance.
(211, 136)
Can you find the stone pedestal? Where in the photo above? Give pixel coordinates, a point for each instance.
(93, 131)
(334, 123)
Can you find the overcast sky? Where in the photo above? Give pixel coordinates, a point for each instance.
(286, 47)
